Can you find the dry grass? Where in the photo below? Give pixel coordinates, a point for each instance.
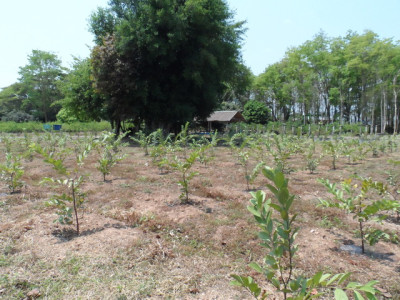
(139, 242)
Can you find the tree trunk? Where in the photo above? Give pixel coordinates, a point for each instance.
(384, 122)
(396, 116)
(341, 108)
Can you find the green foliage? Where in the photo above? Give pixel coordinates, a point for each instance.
(11, 98)
(108, 146)
(17, 116)
(182, 138)
(333, 149)
(244, 161)
(393, 180)
(11, 172)
(184, 166)
(161, 148)
(312, 162)
(256, 112)
(278, 237)
(39, 78)
(62, 201)
(358, 202)
(80, 102)
(327, 74)
(205, 147)
(195, 42)
(70, 179)
(238, 90)
(281, 151)
(6, 141)
(14, 127)
(53, 150)
(143, 140)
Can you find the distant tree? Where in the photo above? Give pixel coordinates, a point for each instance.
(116, 80)
(180, 54)
(80, 100)
(11, 98)
(17, 116)
(256, 112)
(238, 89)
(39, 78)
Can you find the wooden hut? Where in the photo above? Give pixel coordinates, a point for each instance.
(220, 119)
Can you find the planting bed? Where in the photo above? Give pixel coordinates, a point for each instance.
(137, 240)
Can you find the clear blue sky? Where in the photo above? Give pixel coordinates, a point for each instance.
(60, 26)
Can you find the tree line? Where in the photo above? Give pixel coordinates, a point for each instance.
(160, 64)
(354, 78)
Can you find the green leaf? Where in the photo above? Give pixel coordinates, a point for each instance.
(340, 295)
(276, 207)
(343, 278)
(253, 211)
(353, 285)
(316, 278)
(256, 267)
(279, 180)
(370, 296)
(294, 285)
(358, 296)
(368, 289)
(276, 283)
(264, 236)
(272, 189)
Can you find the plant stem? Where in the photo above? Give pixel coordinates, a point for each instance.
(362, 237)
(75, 209)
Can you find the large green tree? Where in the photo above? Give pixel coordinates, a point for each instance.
(181, 53)
(80, 99)
(39, 79)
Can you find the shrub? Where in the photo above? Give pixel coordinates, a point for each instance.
(256, 112)
(17, 116)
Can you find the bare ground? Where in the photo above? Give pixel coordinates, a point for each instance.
(137, 241)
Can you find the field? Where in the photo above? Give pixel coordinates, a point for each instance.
(141, 238)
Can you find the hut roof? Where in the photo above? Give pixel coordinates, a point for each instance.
(226, 116)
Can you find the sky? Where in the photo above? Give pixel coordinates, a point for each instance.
(61, 27)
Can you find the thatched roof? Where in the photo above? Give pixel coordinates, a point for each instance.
(226, 116)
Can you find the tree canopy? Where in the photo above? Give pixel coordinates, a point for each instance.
(164, 62)
(39, 81)
(351, 78)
